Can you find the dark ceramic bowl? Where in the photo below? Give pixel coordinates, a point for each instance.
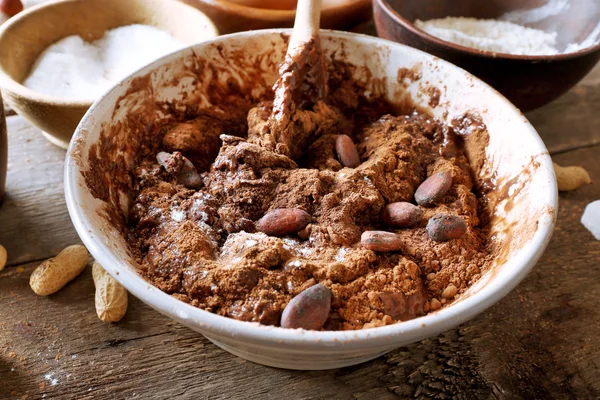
(528, 81)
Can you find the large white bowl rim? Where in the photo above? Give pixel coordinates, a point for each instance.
(516, 267)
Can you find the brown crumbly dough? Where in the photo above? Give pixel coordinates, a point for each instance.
(201, 245)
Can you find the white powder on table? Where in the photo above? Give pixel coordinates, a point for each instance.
(76, 69)
(491, 35)
(591, 218)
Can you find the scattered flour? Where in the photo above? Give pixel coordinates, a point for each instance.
(341, 254)
(51, 379)
(591, 218)
(250, 243)
(76, 69)
(177, 215)
(501, 36)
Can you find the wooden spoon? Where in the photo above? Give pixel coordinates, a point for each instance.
(302, 80)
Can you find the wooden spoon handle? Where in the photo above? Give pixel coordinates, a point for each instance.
(301, 83)
(306, 24)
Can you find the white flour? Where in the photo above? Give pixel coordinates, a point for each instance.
(76, 69)
(491, 35)
(501, 36)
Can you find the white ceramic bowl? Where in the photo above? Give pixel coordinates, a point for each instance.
(525, 200)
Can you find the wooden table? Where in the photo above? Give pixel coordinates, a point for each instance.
(541, 341)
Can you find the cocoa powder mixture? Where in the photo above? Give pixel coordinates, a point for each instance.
(194, 233)
(201, 245)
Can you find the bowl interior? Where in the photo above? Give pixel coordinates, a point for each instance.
(515, 161)
(574, 21)
(23, 39)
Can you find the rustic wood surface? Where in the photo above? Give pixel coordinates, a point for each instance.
(541, 341)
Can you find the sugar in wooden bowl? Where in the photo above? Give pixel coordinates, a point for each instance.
(31, 32)
(74, 68)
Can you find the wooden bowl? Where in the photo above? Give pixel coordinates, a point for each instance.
(25, 36)
(230, 17)
(528, 81)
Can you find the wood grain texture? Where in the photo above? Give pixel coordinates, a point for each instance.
(571, 122)
(541, 341)
(34, 222)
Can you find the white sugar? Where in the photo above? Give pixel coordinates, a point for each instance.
(76, 69)
(591, 218)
